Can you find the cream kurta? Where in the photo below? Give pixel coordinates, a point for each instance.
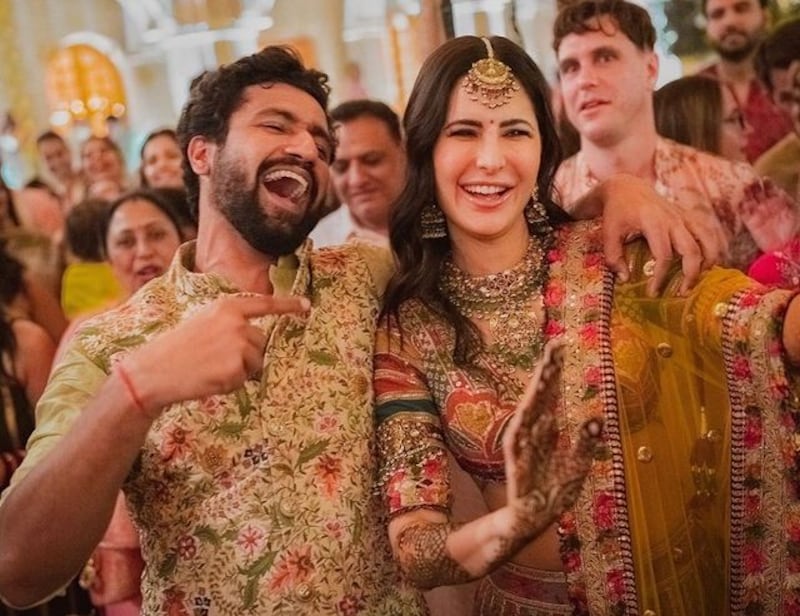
(260, 501)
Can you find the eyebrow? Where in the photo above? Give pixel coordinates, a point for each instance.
(594, 53)
(477, 124)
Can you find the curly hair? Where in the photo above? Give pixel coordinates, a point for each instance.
(584, 16)
(215, 95)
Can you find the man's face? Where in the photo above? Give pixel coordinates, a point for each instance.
(270, 177)
(735, 27)
(369, 170)
(56, 157)
(606, 83)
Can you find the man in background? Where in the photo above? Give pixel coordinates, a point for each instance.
(368, 173)
(734, 30)
(776, 60)
(608, 70)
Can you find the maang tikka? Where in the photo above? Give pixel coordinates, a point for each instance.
(490, 81)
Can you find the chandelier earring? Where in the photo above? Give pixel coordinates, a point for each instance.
(433, 224)
(536, 214)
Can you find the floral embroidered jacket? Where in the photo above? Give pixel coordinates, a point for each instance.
(755, 214)
(260, 501)
(691, 508)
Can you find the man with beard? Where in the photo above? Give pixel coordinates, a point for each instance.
(231, 397)
(608, 70)
(734, 29)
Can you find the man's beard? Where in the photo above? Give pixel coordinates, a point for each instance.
(738, 54)
(240, 205)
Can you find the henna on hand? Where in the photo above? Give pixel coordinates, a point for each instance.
(543, 481)
(423, 556)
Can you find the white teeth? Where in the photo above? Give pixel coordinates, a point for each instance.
(279, 174)
(485, 189)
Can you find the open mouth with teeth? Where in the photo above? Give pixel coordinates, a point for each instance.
(286, 184)
(486, 193)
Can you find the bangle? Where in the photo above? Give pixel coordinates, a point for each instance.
(126, 381)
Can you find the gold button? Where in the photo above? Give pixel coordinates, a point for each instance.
(714, 436)
(720, 309)
(287, 509)
(649, 268)
(304, 592)
(664, 349)
(677, 555)
(649, 613)
(644, 454)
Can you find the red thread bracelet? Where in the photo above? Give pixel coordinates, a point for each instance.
(126, 381)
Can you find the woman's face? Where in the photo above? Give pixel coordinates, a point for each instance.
(161, 163)
(486, 162)
(141, 242)
(100, 161)
(735, 129)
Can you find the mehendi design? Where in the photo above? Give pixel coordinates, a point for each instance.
(548, 481)
(423, 556)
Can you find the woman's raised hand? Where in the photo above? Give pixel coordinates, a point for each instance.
(544, 480)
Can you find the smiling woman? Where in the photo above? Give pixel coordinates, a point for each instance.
(506, 342)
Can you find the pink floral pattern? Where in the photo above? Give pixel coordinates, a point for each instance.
(755, 214)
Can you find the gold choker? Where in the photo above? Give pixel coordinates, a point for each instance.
(504, 302)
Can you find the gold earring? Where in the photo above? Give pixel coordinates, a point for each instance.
(536, 214)
(433, 223)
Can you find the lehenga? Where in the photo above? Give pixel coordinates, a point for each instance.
(691, 507)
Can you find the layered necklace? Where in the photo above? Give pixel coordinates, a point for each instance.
(504, 302)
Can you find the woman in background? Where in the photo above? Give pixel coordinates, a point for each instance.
(140, 237)
(26, 352)
(103, 168)
(161, 160)
(702, 112)
(696, 404)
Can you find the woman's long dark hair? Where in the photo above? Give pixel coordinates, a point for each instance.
(419, 260)
(11, 284)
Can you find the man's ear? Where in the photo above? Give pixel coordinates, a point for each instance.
(200, 152)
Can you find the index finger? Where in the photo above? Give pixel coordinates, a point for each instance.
(259, 305)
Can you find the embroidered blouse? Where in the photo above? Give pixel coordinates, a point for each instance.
(691, 508)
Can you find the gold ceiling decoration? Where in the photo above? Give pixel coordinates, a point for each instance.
(84, 85)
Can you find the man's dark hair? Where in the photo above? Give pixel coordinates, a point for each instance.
(584, 16)
(215, 95)
(764, 4)
(49, 135)
(778, 50)
(83, 229)
(365, 107)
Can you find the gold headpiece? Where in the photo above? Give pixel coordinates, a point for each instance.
(490, 81)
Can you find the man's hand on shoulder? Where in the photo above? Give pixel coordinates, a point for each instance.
(632, 208)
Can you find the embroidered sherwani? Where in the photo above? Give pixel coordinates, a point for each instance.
(260, 501)
(691, 508)
(755, 215)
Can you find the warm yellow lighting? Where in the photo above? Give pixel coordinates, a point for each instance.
(86, 78)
